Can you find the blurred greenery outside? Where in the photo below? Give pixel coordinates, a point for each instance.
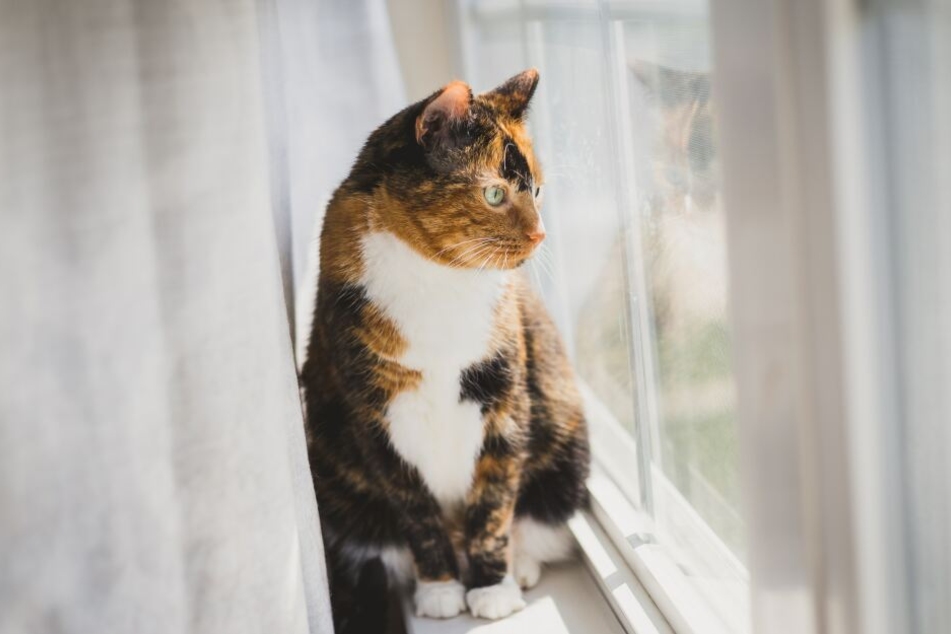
(698, 436)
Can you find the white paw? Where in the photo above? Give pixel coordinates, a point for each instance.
(495, 602)
(528, 571)
(440, 599)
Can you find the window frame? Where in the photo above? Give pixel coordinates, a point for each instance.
(632, 533)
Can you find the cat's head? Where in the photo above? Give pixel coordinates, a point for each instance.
(455, 176)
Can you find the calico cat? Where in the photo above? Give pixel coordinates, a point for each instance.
(445, 431)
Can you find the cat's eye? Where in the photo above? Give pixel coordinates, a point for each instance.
(538, 190)
(494, 195)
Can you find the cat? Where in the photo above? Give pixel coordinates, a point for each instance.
(444, 427)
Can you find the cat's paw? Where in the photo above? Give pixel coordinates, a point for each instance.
(440, 599)
(528, 571)
(495, 602)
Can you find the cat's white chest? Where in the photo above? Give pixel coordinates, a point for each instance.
(446, 317)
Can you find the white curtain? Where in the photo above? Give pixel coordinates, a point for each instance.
(332, 77)
(153, 474)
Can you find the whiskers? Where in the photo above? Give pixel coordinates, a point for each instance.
(484, 253)
(489, 252)
(542, 265)
(475, 248)
(456, 245)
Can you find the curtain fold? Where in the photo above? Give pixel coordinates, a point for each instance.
(331, 76)
(153, 474)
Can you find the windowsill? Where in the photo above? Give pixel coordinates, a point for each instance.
(566, 601)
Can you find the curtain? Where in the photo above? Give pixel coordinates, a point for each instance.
(332, 76)
(159, 161)
(908, 91)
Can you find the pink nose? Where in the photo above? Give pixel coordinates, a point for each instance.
(536, 237)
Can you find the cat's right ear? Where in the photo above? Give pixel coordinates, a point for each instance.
(449, 105)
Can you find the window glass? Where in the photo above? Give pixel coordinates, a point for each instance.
(581, 267)
(665, 67)
(575, 137)
(635, 272)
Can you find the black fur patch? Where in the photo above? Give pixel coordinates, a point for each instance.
(392, 151)
(360, 605)
(515, 167)
(488, 382)
(552, 496)
(486, 570)
(498, 447)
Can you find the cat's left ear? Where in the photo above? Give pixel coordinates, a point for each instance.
(512, 97)
(445, 108)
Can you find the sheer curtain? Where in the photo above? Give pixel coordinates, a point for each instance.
(331, 77)
(155, 160)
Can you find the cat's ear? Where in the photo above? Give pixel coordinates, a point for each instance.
(512, 97)
(450, 105)
(670, 85)
(649, 74)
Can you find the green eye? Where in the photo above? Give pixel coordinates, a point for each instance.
(494, 195)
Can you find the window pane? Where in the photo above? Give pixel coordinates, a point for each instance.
(624, 122)
(665, 66)
(581, 270)
(575, 139)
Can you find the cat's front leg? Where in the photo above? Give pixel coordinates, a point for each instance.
(439, 593)
(490, 507)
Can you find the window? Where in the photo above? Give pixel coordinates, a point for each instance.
(636, 272)
(813, 159)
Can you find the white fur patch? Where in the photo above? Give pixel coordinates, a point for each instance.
(440, 599)
(536, 543)
(399, 564)
(528, 570)
(542, 542)
(446, 316)
(495, 602)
